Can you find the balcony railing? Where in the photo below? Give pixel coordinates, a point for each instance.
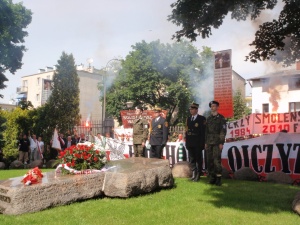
(22, 89)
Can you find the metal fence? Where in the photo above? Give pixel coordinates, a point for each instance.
(96, 126)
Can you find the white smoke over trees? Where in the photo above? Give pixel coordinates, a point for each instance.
(164, 75)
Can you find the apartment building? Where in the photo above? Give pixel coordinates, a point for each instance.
(276, 92)
(37, 89)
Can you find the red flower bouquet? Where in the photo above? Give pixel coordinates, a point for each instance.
(33, 176)
(82, 157)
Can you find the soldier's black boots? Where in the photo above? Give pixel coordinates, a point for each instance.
(212, 180)
(194, 175)
(197, 177)
(218, 181)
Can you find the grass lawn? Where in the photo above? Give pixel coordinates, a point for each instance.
(235, 202)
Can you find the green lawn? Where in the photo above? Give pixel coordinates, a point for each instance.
(235, 202)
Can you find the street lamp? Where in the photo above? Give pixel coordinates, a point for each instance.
(104, 91)
(129, 104)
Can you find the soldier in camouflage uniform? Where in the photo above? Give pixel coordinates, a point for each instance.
(140, 133)
(214, 140)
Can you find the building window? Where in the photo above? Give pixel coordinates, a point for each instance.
(37, 97)
(25, 83)
(294, 83)
(294, 106)
(265, 108)
(265, 85)
(38, 81)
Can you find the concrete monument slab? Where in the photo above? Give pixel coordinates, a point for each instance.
(125, 178)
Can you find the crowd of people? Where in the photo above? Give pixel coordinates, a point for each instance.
(31, 147)
(201, 133)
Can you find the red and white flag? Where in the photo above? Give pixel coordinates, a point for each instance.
(55, 141)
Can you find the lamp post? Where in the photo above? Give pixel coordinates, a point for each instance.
(129, 104)
(104, 91)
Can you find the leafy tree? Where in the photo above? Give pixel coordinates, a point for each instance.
(17, 121)
(40, 123)
(240, 108)
(282, 34)
(62, 108)
(14, 18)
(23, 104)
(155, 74)
(2, 127)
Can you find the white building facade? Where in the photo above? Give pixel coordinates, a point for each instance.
(276, 92)
(37, 89)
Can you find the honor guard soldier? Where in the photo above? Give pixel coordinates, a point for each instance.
(159, 134)
(140, 132)
(195, 140)
(214, 140)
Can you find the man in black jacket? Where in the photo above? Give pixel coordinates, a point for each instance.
(24, 144)
(195, 140)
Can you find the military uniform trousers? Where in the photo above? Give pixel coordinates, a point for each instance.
(195, 155)
(138, 150)
(214, 160)
(156, 151)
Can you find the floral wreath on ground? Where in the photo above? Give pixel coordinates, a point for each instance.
(81, 159)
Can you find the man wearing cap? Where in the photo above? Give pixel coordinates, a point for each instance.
(214, 140)
(195, 140)
(159, 134)
(140, 132)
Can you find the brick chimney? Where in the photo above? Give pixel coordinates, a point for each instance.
(298, 65)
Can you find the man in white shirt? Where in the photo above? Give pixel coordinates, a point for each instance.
(33, 147)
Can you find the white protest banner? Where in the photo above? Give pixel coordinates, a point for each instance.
(265, 154)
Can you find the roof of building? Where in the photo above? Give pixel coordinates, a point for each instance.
(95, 72)
(238, 74)
(282, 73)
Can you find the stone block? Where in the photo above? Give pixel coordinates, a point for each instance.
(245, 173)
(135, 176)
(279, 177)
(2, 165)
(16, 198)
(182, 169)
(53, 163)
(37, 163)
(16, 165)
(124, 178)
(225, 173)
(296, 204)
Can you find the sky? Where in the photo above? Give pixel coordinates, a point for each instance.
(106, 29)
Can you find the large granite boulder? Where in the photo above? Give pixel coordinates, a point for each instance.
(279, 177)
(37, 163)
(182, 169)
(122, 178)
(16, 165)
(52, 163)
(226, 173)
(135, 176)
(245, 173)
(2, 165)
(296, 204)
